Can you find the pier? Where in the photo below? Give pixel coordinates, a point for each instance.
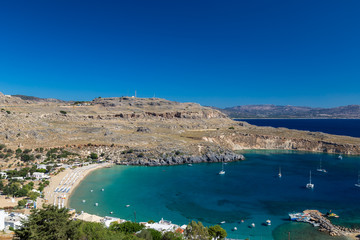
(325, 225)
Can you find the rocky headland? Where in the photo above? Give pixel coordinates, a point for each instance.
(145, 131)
(275, 111)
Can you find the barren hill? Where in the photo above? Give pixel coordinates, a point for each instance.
(274, 111)
(153, 129)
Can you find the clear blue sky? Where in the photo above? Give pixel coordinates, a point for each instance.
(220, 53)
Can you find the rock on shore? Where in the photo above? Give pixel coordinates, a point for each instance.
(177, 160)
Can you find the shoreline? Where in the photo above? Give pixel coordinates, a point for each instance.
(67, 181)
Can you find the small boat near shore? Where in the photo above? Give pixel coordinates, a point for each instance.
(299, 217)
(222, 172)
(333, 215)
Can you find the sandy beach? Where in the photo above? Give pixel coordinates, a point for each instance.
(63, 184)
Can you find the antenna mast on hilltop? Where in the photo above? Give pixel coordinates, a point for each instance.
(135, 93)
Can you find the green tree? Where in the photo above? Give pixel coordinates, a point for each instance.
(196, 230)
(33, 195)
(22, 203)
(12, 188)
(49, 223)
(27, 150)
(22, 192)
(96, 231)
(93, 156)
(172, 236)
(27, 157)
(126, 227)
(145, 234)
(217, 232)
(156, 235)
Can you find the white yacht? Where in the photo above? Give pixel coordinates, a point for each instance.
(279, 174)
(310, 185)
(222, 172)
(340, 157)
(358, 183)
(321, 169)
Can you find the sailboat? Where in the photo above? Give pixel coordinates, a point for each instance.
(321, 169)
(310, 185)
(358, 183)
(279, 174)
(222, 172)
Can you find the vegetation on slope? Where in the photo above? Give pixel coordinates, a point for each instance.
(51, 223)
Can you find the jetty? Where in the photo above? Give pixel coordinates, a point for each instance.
(317, 219)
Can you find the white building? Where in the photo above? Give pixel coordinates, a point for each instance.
(41, 166)
(40, 175)
(3, 175)
(2, 220)
(108, 220)
(17, 178)
(11, 220)
(14, 220)
(162, 226)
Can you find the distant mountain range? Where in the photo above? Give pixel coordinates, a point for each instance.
(274, 111)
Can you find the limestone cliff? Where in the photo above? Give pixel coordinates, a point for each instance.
(157, 131)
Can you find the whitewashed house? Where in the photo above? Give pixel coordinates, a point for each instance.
(108, 220)
(2, 220)
(162, 226)
(14, 220)
(11, 220)
(3, 175)
(41, 166)
(17, 178)
(40, 175)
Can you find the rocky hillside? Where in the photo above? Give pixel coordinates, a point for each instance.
(273, 111)
(147, 131)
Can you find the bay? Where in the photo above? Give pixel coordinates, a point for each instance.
(347, 127)
(250, 191)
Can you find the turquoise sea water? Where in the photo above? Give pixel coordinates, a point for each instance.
(249, 190)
